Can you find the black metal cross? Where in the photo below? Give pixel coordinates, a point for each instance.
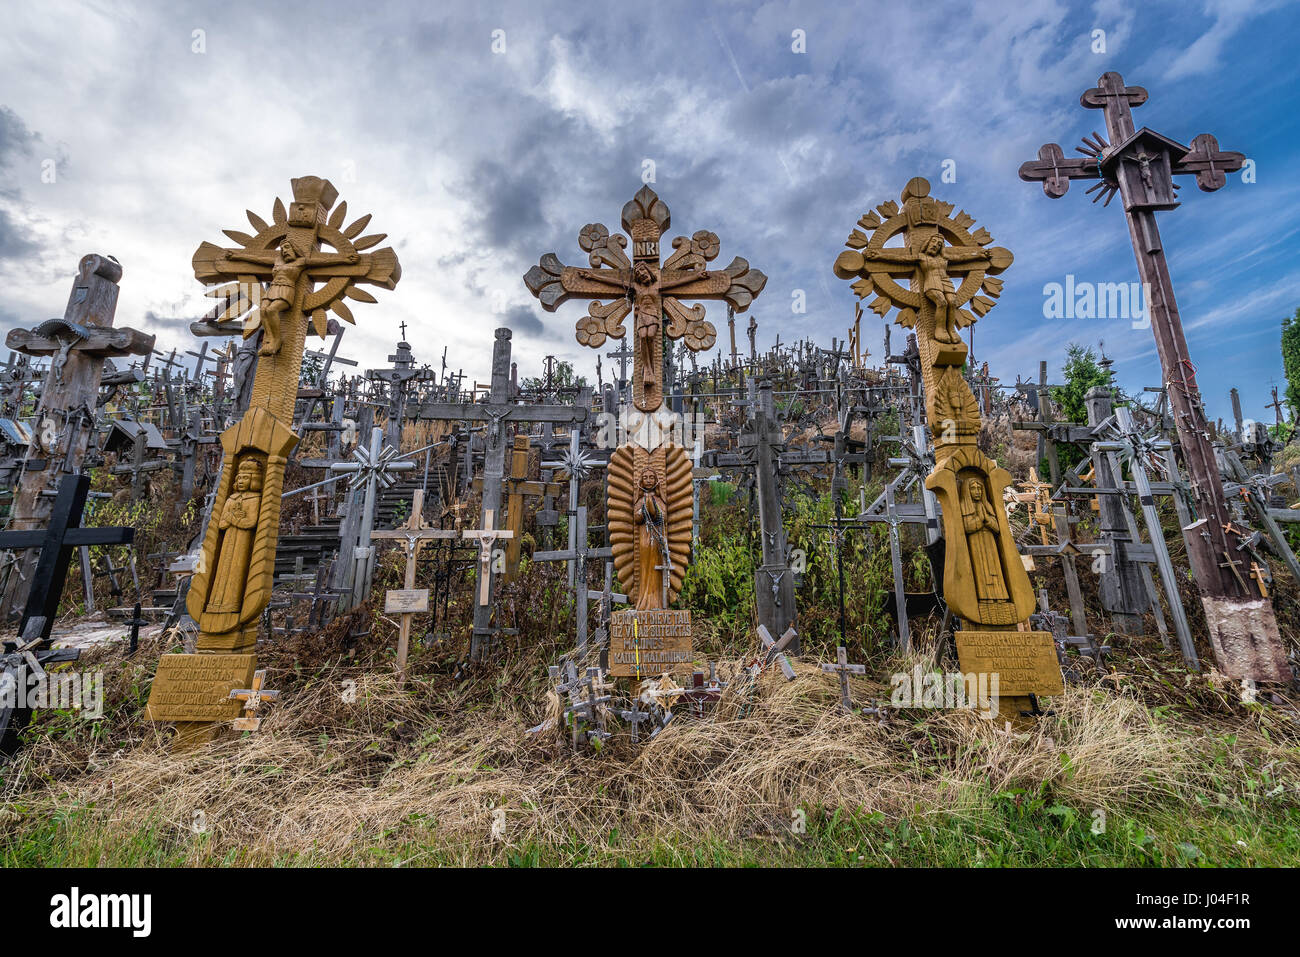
(56, 542)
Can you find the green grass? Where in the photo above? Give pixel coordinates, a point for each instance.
(1010, 829)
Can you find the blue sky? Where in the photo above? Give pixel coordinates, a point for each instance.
(476, 162)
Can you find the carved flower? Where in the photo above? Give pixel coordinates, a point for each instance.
(700, 336)
(591, 332)
(707, 243)
(593, 235)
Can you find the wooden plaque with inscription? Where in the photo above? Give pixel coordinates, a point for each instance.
(197, 687)
(653, 641)
(410, 601)
(1024, 661)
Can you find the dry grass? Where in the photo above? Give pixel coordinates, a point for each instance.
(428, 767)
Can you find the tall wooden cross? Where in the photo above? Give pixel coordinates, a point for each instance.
(651, 290)
(1140, 165)
(77, 346)
(410, 601)
(233, 579)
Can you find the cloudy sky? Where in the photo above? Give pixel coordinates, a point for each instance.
(481, 136)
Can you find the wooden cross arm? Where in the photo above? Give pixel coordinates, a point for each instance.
(553, 283)
(1055, 170)
(1208, 163)
(477, 412)
(35, 538)
(406, 533)
(738, 284)
(102, 342)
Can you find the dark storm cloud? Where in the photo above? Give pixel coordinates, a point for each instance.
(524, 321)
(17, 240)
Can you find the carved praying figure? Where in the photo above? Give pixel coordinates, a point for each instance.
(287, 265)
(980, 523)
(650, 522)
(651, 546)
(236, 525)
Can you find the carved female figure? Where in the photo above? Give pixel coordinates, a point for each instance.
(980, 523)
(237, 526)
(649, 511)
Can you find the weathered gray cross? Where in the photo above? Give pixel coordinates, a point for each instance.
(844, 669)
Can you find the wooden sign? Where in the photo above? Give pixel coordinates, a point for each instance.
(650, 642)
(1024, 661)
(198, 687)
(406, 601)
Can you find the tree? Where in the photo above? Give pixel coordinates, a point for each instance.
(562, 377)
(1082, 373)
(1291, 361)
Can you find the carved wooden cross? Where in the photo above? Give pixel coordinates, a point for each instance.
(651, 290)
(303, 282)
(487, 537)
(252, 699)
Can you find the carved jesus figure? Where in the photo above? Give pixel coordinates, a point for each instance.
(646, 319)
(980, 523)
(287, 266)
(936, 286)
(237, 526)
(650, 512)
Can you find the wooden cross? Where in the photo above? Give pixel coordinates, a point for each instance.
(517, 486)
(487, 537)
(844, 669)
(302, 282)
(775, 650)
(410, 601)
(651, 290)
(77, 346)
(1140, 165)
(252, 698)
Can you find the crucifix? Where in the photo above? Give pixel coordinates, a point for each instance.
(517, 487)
(651, 290)
(235, 572)
(64, 415)
(252, 699)
(1139, 166)
(400, 378)
(486, 537)
(410, 601)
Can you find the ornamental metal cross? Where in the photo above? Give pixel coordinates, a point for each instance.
(652, 291)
